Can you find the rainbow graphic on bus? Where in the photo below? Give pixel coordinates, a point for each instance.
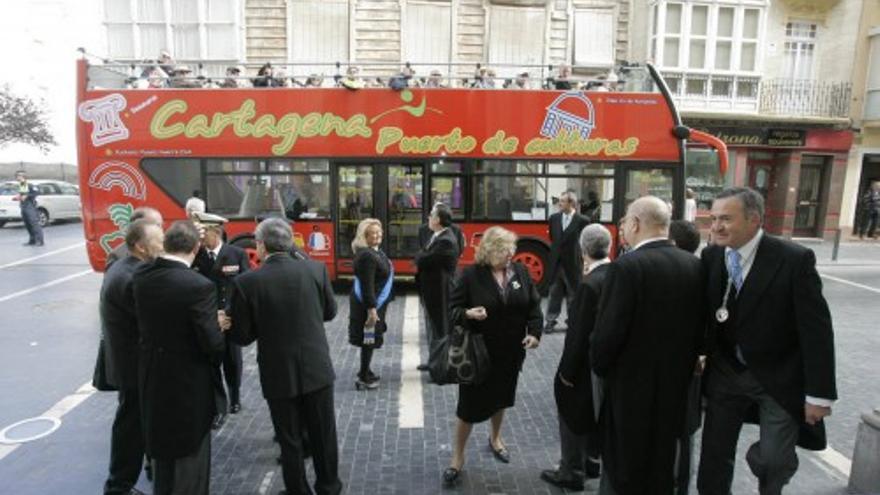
(119, 174)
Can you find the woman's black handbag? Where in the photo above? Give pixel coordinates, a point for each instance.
(460, 357)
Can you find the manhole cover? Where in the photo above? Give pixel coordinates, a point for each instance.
(29, 430)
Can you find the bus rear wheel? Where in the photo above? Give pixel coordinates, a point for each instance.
(250, 247)
(534, 256)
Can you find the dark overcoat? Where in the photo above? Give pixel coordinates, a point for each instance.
(649, 327)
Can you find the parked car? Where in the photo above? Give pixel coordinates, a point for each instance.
(57, 200)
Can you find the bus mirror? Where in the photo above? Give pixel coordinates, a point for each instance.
(715, 143)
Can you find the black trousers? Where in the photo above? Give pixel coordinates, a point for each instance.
(126, 444)
(560, 288)
(772, 459)
(314, 413)
(190, 475)
(31, 218)
(869, 222)
(232, 370)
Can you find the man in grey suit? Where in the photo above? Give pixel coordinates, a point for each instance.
(283, 307)
(120, 332)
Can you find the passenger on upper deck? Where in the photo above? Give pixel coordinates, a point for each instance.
(314, 81)
(166, 62)
(351, 79)
(235, 78)
(563, 76)
(435, 80)
(182, 77)
(266, 77)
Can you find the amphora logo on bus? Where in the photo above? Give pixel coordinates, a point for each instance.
(571, 112)
(103, 114)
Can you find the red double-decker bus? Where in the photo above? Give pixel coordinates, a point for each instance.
(325, 158)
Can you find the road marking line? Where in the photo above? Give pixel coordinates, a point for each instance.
(58, 410)
(50, 253)
(836, 461)
(847, 282)
(43, 286)
(412, 414)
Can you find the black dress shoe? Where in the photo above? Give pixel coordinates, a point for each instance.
(592, 469)
(422, 367)
(554, 477)
(501, 454)
(235, 408)
(218, 421)
(450, 476)
(29, 244)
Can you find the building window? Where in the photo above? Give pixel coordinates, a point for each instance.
(872, 96)
(593, 37)
(698, 36)
(800, 50)
(708, 51)
(319, 35)
(427, 36)
(189, 29)
(516, 38)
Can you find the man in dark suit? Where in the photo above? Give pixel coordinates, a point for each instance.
(578, 435)
(181, 343)
(648, 330)
(566, 264)
(121, 251)
(221, 263)
(283, 306)
(436, 263)
(27, 202)
(120, 333)
(770, 344)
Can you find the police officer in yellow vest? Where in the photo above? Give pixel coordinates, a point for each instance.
(27, 197)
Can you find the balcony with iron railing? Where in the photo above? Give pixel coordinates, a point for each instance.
(805, 98)
(747, 94)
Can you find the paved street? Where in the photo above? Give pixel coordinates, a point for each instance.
(394, 440)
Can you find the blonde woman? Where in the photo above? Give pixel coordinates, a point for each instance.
(496, 298)
(370, 293)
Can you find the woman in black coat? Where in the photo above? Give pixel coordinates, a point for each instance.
(369, 297)
(495, 298)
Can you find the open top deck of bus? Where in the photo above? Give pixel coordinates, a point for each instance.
(370, 152)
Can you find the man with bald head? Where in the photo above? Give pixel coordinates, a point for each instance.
(649, 325)
(121, 251)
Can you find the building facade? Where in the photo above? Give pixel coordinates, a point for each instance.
(772, 78)
(863, 167)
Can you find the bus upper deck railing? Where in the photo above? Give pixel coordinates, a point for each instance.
(195, 74)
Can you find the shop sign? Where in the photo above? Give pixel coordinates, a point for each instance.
(760, 136)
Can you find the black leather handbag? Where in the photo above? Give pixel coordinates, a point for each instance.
(461, 357)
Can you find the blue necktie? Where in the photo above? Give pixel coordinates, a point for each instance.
(734, 269)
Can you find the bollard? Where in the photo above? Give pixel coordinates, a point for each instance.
(864, 477)
(836, 246)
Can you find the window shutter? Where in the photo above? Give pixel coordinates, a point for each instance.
(594, 37)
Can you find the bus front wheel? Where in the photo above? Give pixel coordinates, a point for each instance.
(534, 256)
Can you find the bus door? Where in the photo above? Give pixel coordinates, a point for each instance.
(390, 192)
